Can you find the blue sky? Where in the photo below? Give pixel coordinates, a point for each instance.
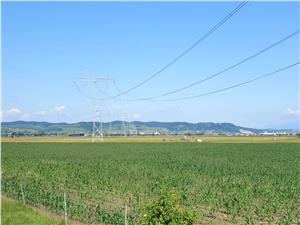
(45, 46)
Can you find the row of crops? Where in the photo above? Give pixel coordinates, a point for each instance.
(226, 183)
(89, 211)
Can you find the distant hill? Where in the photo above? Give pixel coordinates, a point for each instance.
(41, 128)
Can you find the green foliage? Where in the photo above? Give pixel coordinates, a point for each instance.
(15, 213)
(168, 210)
(249, 183)
(23, 127)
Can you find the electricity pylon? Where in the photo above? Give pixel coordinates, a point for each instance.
(95, 103)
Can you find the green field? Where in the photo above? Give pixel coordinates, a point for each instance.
(163, 138)
(15, 213)
(242, 183)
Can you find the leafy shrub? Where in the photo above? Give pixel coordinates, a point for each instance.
(168, 210)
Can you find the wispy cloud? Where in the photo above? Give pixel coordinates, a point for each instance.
(1, 114)
(56, 109)
(13, 111)
(136, 116)
(41, 113)
(59, 108)
(292, 112)
(25, 116)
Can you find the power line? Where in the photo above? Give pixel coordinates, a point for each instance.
(133, 98)
(222, 71)
(98, 105)
(185, 52)
(231, 87)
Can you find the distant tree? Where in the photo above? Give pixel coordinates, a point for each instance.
(13, 134)
(40, 133)
(168, 210)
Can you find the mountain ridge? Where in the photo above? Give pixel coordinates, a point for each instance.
(117, 126)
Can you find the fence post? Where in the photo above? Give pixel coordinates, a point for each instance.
(126, 222)
(23, 196)
(65, 206)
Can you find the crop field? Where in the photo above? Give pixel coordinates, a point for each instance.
(241, 183)
(163, 138)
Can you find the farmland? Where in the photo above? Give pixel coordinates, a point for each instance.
(14, 213)
(226, 183)
(162, 138)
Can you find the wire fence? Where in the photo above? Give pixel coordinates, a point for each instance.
(112, 209)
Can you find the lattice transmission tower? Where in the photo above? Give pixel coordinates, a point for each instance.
(95, 103)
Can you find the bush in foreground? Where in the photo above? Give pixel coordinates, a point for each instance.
(168, 210)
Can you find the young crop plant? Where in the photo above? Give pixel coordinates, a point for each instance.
(224, 183)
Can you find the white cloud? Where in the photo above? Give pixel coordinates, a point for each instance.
(59, 108)
(25, 116)
(55, 109)
(136, 116)
(16, 113)
(292, 112)
(41, 113)
(51, 114)
(1, 114)
(13, 111)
